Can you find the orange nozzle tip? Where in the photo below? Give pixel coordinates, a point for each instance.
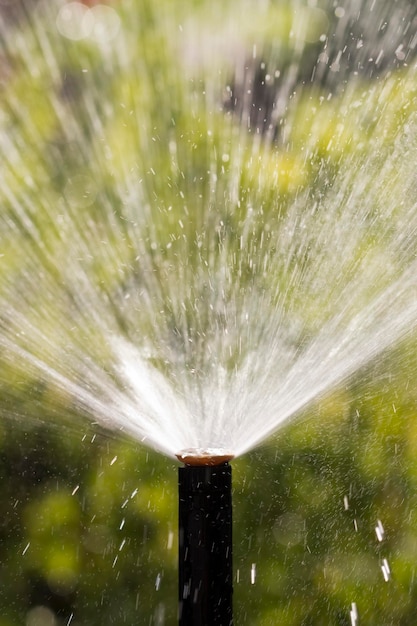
(201, 456)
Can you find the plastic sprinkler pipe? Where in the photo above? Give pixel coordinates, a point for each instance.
(205, 583)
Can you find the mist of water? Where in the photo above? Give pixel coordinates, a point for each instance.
(195, 243)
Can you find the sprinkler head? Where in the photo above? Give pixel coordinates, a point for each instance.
(205, 571)
(204, 456)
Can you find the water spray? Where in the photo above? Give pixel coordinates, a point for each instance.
(205, 582)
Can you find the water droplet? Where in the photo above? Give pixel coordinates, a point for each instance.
(354, 616)
(379, 531)
(386, 571)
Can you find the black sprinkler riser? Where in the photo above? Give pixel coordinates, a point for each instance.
(205, 546)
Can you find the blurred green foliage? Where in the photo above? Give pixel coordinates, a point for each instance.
(88, 530)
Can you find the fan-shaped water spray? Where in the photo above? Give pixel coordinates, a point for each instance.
(196, 242)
